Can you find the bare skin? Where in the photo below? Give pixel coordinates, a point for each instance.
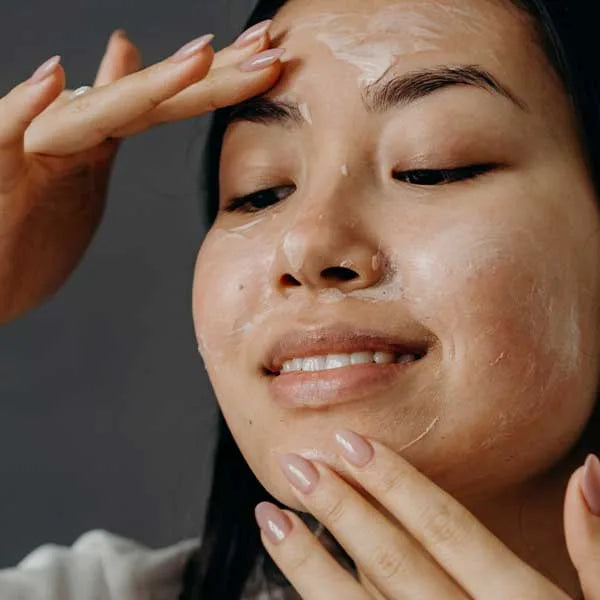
(56, 153)
(501, 269)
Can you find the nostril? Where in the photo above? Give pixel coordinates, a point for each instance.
(339, 274)
(288, 281)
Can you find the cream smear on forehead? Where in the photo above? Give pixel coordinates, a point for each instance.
(372, 43)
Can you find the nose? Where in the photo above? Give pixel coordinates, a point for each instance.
(328, 250)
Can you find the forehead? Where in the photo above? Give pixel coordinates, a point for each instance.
(366, 39)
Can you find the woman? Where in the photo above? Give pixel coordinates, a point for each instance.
(412, 219)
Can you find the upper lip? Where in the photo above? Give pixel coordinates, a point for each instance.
(343, 339)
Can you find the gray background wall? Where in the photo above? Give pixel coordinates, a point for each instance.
(106, 415)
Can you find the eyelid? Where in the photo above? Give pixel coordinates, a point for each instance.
(450, 174)
(238, 202)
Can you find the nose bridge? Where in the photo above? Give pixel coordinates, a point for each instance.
(331, 192)
(325, 217)
(328, 242)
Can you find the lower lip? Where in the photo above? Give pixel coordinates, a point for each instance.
(318, 389)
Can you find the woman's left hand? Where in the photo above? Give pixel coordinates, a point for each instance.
(413, 540)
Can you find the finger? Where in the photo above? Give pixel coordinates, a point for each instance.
(257, 40)
(314, 573)
(222, 87)
(582, 525)
(17, 110)
(121, 58)
(390, 558)
(89, 119)
(464, 548)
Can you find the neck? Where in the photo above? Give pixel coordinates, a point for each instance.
(529, 521)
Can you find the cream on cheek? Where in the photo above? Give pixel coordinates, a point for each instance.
(484, 274)
(235, 298)
(504, 298)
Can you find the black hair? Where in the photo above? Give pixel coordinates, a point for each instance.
(231, 546)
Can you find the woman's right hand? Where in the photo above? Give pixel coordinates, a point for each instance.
(56, 151)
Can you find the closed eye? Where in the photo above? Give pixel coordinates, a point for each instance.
(259, 200)
(441, 176)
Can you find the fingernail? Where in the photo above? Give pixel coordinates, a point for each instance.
(252, 33)
(273, 522)
(261, 60)
(354, 447)
(590, 484)
(121, 33)
(192, 48)
(45, 69)
(299, 472)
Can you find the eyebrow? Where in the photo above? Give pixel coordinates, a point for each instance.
(380, 96)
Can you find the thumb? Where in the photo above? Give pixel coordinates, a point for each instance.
(582, 525)
(17, 110)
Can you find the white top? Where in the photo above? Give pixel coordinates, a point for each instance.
(98, 566)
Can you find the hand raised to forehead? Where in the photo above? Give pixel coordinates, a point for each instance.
(179, 87)
(57, 148)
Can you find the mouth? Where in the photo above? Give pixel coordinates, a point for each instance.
(320, 368)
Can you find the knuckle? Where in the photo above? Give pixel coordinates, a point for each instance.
(80, 104)
(388, 562)
(392, 482)
(444, 526)
(334, 510)
(298, 560)
(209, 102)
(153, 101)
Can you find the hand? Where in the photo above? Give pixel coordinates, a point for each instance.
(56, 152)
(413, 540)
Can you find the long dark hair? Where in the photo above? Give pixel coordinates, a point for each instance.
(231, 543)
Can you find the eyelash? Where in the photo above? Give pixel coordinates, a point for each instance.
(420, 177)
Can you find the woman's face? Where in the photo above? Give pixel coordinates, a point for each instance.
(370, 240)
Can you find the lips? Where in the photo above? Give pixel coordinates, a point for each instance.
(319, 389)
(340, 340)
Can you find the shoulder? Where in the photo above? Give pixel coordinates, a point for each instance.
(99, 565)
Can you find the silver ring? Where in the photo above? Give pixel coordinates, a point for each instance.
(80, 90)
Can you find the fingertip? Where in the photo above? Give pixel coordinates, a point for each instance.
(42, 92)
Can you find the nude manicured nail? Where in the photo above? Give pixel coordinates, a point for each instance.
(590, 484)
(273, 522)
(261, 60)
(299, 472)
(252, 33)
(45, 69)
(192, 48)
(354, 447)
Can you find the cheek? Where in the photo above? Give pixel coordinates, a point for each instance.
(231, 296)
(509, 312)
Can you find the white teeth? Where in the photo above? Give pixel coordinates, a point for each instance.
(404, 358)
(314, 363)
(384, 357)
(357, 358)
(335, 361)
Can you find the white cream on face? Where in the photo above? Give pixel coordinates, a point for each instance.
(486, 388)
(547, 310)
(305, 112)
(294, 248)
(373, 43)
